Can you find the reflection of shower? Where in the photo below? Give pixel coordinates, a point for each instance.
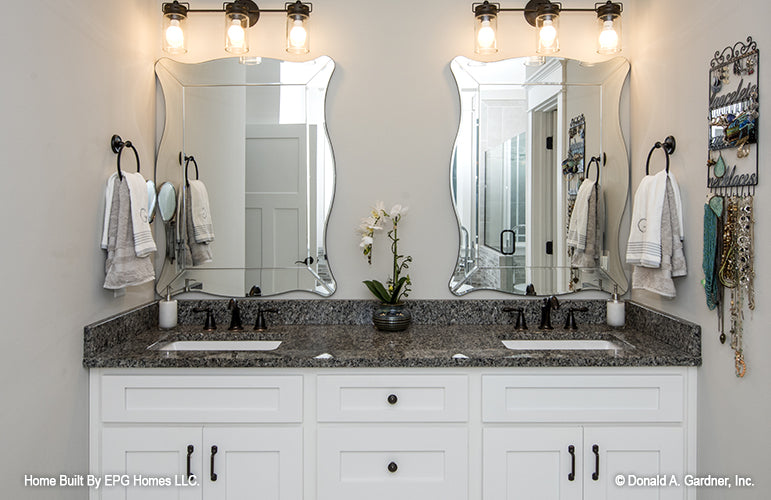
(468, 259)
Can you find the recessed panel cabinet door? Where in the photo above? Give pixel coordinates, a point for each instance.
(532, 463)
(641, 452)
(144, 456)
(262, 463)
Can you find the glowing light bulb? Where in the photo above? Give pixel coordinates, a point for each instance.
(548, 34)
(175, 37)
(486, 36)
(236, 34)
(297, 35)
(608, 37)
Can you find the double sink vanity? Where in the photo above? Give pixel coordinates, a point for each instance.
(461, 405)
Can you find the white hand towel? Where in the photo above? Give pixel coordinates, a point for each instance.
(203, 230)
(644, 245)
(579, 219)
(107, 208)
(659, 280)
(143, 237)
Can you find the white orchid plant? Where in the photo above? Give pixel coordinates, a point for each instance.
(398, 285)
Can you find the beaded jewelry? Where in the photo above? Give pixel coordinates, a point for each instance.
(744, 244)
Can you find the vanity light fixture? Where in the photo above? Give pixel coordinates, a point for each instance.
(240, 15)
(544, 15)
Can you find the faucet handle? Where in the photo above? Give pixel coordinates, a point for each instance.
(261, 325)
(209, 324)
(570, 319)
(520, 325)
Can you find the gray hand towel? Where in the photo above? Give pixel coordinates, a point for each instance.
(123, 268)
(588, 256)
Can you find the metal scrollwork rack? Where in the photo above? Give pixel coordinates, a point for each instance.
(733, 119)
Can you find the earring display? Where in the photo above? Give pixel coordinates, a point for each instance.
(729, 235)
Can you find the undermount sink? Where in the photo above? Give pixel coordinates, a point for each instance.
(565, 345)
(221, 345)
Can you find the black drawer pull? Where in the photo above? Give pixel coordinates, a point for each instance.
(596, 474)
(392, 467)
(190, 450)
(213, 475)
(392, 399)
(572, 451)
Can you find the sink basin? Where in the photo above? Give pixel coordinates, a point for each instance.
(221, 345)
(569, 345)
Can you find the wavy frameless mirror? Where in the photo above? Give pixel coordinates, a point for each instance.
(528, 130)
(257, 132)
(152, 199)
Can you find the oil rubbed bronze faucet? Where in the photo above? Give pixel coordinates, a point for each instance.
(548, 304)
(235, 317)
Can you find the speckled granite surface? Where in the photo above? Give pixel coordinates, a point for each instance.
(441, 330)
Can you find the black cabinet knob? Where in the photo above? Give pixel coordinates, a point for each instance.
(392, 399)
(392, 467)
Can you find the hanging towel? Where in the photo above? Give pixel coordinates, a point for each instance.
(107, 207)
(579, 219)
(199, 204)
(676, 209)
(195, 253)
(143, 237)
(123, 267)
(587, 258)
(659, 280)
(644, 245)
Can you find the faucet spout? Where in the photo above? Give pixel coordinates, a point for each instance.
(549, 303)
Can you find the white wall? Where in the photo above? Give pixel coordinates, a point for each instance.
(75, 72)
(673, 46)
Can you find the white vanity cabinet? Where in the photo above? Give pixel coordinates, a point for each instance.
(382, 433)
(237, 435)
(392, 436)
(557, 436)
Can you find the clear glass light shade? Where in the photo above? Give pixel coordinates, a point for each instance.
(297, 34)
(236, 34)
(609, 36)
(173, 36)
(485, 34)
(547, 34)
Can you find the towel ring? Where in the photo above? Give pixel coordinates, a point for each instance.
(668, 146)
(595, 159)
(188, 159)
(117, 145)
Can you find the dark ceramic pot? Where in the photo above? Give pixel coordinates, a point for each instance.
(391, 317)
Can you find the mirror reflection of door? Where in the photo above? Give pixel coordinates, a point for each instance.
(278, 233)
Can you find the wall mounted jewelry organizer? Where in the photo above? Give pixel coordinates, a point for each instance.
(733, 119)
(728, 260)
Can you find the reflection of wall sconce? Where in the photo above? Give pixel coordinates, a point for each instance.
(240, 15)
(544, 16)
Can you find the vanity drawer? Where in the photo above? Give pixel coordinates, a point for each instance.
(392, 398)
(379, 463)
(192, 398)
(584, 398)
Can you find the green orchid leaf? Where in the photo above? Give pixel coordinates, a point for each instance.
(378, 290)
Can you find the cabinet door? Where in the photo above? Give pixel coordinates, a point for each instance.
(146, 454)
(640, 451)
(532, 462)
(262, 463)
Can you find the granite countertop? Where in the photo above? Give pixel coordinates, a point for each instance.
(650, 338)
